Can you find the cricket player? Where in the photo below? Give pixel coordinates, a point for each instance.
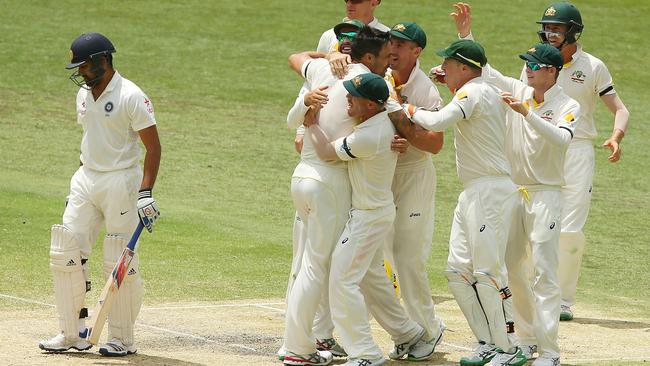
(357, 279)
(110, 189)
(414, 187)
(476, 269)
(586, 79)
(370, 53)
(323, 327)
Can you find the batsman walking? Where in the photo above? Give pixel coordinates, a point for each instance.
(110, 189)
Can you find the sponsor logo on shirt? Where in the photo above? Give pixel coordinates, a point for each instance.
(147, 102)
(578, 77)
(82, 111)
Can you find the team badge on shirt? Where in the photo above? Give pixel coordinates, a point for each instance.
(578, 77)
(548, 115)
(108, 107)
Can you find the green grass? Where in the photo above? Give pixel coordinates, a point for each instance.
(216, 72)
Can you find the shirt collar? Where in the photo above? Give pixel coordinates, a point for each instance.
(576, 55)
(550, 94)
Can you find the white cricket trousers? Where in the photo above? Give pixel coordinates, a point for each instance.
(579, 169)
(536, 305)
(358, 284)
(323, 207)
(414, 188)
(98, 198)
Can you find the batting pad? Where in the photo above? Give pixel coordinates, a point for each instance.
(497, 305)
(462, 286)
(69, 281)
(126, 306)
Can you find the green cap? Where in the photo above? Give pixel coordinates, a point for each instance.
(410, 32)
(544, 53)
(347, 23)
(466, 51)
(370, 86)
(562, 13)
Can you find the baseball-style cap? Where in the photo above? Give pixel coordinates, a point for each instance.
(347, 23)
(370, 86)
(466, 51)
(546, 54)
(411, 32)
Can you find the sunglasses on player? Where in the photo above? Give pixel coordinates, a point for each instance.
(534, 66)
(348, 35)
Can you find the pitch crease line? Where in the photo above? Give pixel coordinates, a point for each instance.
(207, 306)
(27, 300)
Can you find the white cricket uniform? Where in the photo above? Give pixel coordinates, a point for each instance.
(585, 78)
(538, 168)
(323, 327)
(328, 42)
(321, 193)
(414, 188)
(358, 282)
(104, 190)
(482, 217)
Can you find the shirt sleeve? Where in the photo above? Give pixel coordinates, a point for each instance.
(80, 106)
(296, 115)
(358, 144)
(557, 135)
(141, 112)
(604, 84)
(440, 120)
(502, 82)
(326, 41)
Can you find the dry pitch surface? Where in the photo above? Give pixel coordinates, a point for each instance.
(250, 332)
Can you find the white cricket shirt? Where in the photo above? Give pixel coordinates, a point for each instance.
(534, 159)
(371, 162)
(111, 124)
(478, 116)
(329, 43)
(585, 78)
(420, 91)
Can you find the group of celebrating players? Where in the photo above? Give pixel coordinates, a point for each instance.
(368, 120)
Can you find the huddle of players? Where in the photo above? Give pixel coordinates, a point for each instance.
(511, 141)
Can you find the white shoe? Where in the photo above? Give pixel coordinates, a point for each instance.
(330, 344)
(547, 361)
(483, 353)
(364, 362)
(529, 350)
(115, 348)
(60, 344)
(403, 348)
(318, 358)
(517, 358)
(423, 350)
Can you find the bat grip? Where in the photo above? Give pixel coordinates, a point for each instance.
(135, 236)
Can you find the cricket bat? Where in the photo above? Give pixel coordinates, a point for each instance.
(112, 286)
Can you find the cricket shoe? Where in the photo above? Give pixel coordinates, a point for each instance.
(565, 313)
(547, 361)
(483, 353)
(115, 348)
(423, 350)
(317, 358)
(330, 344)
(364, 362)
(281, 353)
(529, 350)
(516, 358)
(60, 344)
(403, 348)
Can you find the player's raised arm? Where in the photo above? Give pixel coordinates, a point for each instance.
(297, 60)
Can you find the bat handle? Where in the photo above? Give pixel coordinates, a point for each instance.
(135, 236)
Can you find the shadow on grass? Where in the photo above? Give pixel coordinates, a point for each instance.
(139, 359)
(612, 323)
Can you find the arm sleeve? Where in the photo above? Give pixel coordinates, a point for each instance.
(79, 103)
(296, 115)
(504, 83)
(325, 42)
(392, 104)
(439, 120)
(355, 145)
(558, 135)
(141, 112)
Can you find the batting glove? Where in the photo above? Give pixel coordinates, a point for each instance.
(147, 209)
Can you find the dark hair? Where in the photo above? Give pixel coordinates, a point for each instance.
(368, 40)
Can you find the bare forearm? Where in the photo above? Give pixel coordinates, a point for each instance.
(620, 123)
(151, 165)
